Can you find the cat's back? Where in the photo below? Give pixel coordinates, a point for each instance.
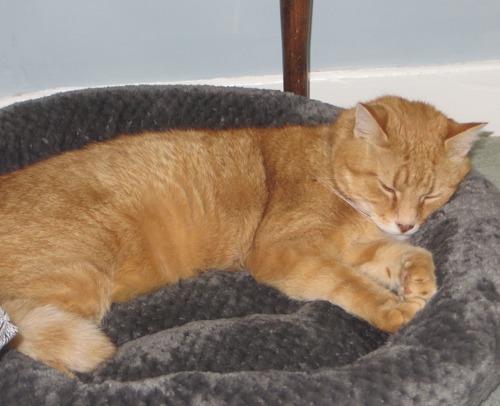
(134, 162)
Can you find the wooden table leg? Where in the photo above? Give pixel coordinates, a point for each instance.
(296, 34)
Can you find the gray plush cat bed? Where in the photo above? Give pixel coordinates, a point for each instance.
(223, 339)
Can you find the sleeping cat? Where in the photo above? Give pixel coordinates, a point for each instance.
(317, 212)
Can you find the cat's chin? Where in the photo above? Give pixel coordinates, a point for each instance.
(398, 237)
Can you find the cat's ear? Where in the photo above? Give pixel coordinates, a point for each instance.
(368, 127)
(461, 137)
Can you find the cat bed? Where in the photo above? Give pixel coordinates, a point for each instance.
(221, 338)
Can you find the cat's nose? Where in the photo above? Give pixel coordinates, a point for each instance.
(405, 227)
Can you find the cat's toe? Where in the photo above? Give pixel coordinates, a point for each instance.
(402, 314)
(423, 289)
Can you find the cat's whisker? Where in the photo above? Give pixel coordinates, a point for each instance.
(329, 178)
(337, 193)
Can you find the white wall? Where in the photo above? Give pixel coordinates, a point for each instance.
(54, 43)
(365, 33)
(68, 43)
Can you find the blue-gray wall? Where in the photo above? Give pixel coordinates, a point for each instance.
(56, 43)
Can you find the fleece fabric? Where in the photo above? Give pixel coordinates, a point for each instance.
(221, 338)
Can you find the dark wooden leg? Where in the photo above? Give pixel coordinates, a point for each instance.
(296, 34)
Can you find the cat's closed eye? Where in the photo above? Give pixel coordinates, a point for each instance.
(388, 190)
(429, 197)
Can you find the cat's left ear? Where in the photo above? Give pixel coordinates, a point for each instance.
(461, 137)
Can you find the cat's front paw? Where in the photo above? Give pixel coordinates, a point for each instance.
(418, 279)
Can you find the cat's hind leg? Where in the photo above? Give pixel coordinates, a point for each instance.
(57, 337)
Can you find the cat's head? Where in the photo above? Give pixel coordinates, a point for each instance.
(400, 161)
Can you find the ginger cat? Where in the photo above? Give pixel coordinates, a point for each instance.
(317, 212)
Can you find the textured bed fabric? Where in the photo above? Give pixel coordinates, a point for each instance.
(221, 338)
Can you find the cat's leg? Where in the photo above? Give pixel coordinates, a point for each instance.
(407, 270)
(59, 338)
(306, 271)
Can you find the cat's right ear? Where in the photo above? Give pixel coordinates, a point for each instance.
(461, 137)
(367, 127)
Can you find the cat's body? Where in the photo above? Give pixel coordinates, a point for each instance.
(316, 212)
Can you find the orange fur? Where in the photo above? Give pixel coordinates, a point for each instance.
(319, 213)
